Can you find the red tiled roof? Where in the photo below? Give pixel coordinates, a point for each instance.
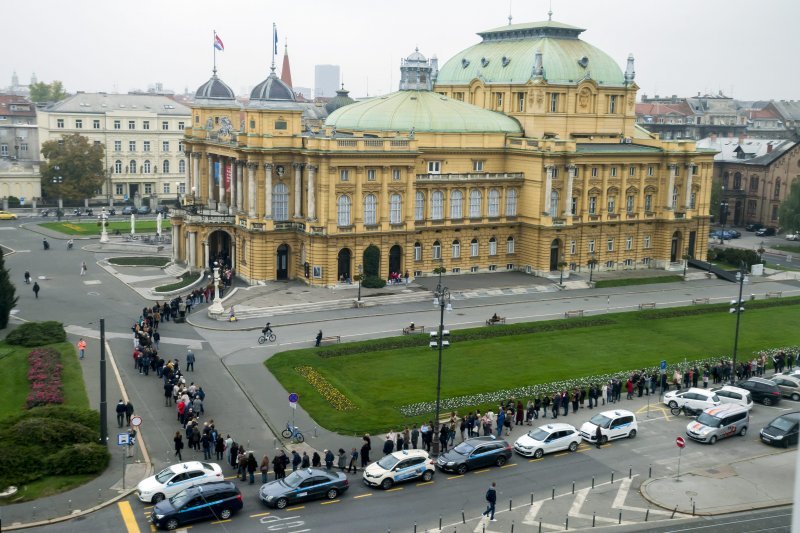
(6, 101)
(762, 113)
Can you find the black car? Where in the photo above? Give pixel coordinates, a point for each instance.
(475, 453)
(308, 484)
(765, 232)
(128, 210)
(783, 430)
(211, 501)
(755, 226)
(734, 234)
(762, 390)
(144, 210)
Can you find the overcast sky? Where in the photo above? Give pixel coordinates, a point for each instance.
(745, 49)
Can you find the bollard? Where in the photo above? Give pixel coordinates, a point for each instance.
(463, 518)
(512, 527)
(647, 514)
(612, 477)
(531, 498)
(650, 471)
(415, 527)
(509, 504)
(440, 522)
(592, 481)
(573, 487)
(69, 506)
(540, 525)
(315, 432)
(673, 512)
(594, 516)
(620, 516)
(34, 513)
(99, 495)
(566, 524)
(630, 471)
(692, 508)
(553, 495)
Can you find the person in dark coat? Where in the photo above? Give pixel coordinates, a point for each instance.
(444, 435)
(296, 460)
(556, 404)
(128, 412)
(219, 447)
(252, 464)
(316, 460)
(305, 462)
(598, 435)
(388, 445)
(365, 449)
(277, 466)
(233, 458)
(328, 459)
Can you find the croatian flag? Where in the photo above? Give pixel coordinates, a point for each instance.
(218, 43)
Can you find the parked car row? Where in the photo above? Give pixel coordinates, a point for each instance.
(727, 234)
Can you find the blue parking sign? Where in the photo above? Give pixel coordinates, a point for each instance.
(663, 366)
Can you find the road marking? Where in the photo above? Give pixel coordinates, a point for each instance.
(534, 460)
(127, 516)
(511, 464)
(231, 477)
(92, 282)
(221, 521)
(622, 493)
(456, 477)
(330, 502)
(295, 508)
(259, 514)
(530, 516)
(424, 483)
(394, 489)
(560, 454)
(362, 495)
(577, 503)
(663, 409)
(149, 506)
(481, 471)
(153, 528)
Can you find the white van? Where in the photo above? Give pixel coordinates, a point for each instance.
(718, 423)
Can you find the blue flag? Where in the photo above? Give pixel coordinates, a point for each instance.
(275, 39)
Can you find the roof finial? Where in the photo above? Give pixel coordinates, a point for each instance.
(550, 11)
(509, 13)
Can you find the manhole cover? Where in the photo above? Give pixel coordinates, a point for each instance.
(92, 293)
(691, 493)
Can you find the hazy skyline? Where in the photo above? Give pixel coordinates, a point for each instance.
(682, 47)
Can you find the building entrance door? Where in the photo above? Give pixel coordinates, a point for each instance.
(282, 263)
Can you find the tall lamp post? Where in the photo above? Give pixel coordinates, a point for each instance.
(443, 301)
(723, 215)
(360, 275)
(561, 265)
(103, 218)
(592, 263)
(738, 307)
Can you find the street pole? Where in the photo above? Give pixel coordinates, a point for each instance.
(360, 275)
(103, 218)
(436, 429)
(103, 420)
(738, 317)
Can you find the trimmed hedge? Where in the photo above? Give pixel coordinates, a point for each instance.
(88, 458)
(37, 334)
(50, 433)
(734, 256)
(373, 282)
(718, 308)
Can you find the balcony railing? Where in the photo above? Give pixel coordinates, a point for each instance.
(210, 218)
(290, 226)
(472, 176)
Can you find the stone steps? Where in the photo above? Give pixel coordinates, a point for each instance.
(174, 269)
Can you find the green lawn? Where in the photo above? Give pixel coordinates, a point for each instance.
(625, 282)
(93, 228)
(187, 278)
(379, 382)
(792, 248)
(139, 261)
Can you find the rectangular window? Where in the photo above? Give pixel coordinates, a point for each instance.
(498, 101)
(612, 204)
(473, 249)
(437, 250)
(78, 124)
(146, 146)
(492, 246)
(629, 243)
(344, 174)
(371, 174)
(456, 249)
(650, 170)
(473, 269)
(117, 146)
(417, 253)
(165, 146)
(510, 246)
(60, 123)
(647, 241)
(554, 102)
(131, 124)
(573, 247)
(96, 124)
(751, 207)
(591, 246)
(613, 172)
(118, 189)
(629, 203)
(23, 147)
(180, 146)
(612, 104)
(434, 167)
(395, 174)
(458, 96)
(520, 102)
(145, 124)
(774, 212)
(182, 188)
(594, 172)
(477, 166)
(165, 188)
(628, 262)
(593, 205)
(648, 203)
(117, 125)
(631, 171)
(573, 205)
(754, 183)
(181, 126)
(148, 188)
(165, 125)
(509, 266)
(131, 146)
(4, 150)
(610, 244)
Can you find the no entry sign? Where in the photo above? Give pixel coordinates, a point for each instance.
(680, 442)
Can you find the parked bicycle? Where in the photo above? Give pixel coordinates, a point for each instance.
(292, 432)
(688, 411)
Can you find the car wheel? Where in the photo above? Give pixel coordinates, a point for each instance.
(632, 434)
(538, 454)
(428, 475)
(157, 498)
(743, 431)
(387, 483)
(604, 439)
(462, 469)
(501, 460)
(225, 514)
(171, 524)
(573, 446)
(673, 404)
(332, 494)
(713, 439)
(767, 401)
(281, 503)
(796, 397)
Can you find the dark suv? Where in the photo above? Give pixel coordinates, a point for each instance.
(762, 390)
(211, 501)
(475, 453)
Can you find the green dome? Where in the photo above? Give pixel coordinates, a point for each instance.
(422, 111)
(508, 54)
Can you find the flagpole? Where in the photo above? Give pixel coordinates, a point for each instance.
(274, 36)
(214, 46)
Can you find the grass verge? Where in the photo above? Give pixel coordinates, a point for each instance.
(93, 228)
(636, 281)
(379, 382)
(793, 248)
(47, 487)
(139, 261)
(186, 279)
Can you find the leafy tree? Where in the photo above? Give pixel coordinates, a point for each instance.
(47, 92)
(8, 298)
(372, 261)
(789, 212)
(74, 167)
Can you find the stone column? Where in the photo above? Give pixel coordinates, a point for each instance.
(548, 189)
(572, 171)
(688, 192)
(251, 190)
(233, 255)
(174, 252)
(239, 185)
(195, 162)
(298, 189)
(234, 170)
(187, 173)
(383, 199)
(223, 163)
(192, 255)
(206, 255)
(311, 211)
(210, 175)
(673, 169)
(268, 190)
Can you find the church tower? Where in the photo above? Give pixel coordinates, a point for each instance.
(286, 71)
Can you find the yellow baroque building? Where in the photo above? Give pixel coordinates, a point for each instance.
(520, 153)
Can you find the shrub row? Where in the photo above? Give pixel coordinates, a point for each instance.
(44, 376)
(717, 308)
(734, 256)
(373, 282)
(37, 334)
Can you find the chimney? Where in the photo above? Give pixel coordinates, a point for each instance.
(769, 148)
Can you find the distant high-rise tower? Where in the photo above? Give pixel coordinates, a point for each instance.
(326, 80)
(286, 71)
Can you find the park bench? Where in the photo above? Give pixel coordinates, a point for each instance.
(493, 322)
(417, 329)
(699, 301)
(573, 314)
(648, 305)
(777, 294)
(333, 338)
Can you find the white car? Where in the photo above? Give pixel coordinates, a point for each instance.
(793, 237)
(176, 478)
(548, 439)
(399, 466)
(613, 425)
(735, 395)
(692, 398)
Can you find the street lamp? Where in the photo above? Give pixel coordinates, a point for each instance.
(592, 263)
(439, 342)
(561, 265)
(738, 307)
(103, 218)
(360, 275)
(723, 216)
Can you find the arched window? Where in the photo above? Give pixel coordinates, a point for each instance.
(437, 250)
(474, 248)
(165, 166)
(437, 205)
(474, 203)
(725, 180)
(395, 209)
(510, 245)
(181, 166)
(456, 249)
(370, 211)
(777, 188)
(511, 203)
(132, 167)
(492, 246)
(343, 211)
(737, 181)
(554, 203)
(419, 206)
(117, 167)
(417, 251)
(494, 203)
(280, 202)
(146, 167)
(456, 205)
(693, 200)
(675, 196)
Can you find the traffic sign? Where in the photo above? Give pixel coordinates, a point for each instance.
(125, 198)
(663, 366)
(680, 442)
(122, 439)
(136, 421)
(21, 200)
(293, 397)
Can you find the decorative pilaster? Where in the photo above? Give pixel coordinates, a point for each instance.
(192, 249)
(572, 171)
(311, 208)
(232, 206)
(195, 162)
(206, 254)
(548, 188)
(673, 170)
(187, 175)
(221, 186)
(239, 186)
(210, 174)
(268, 190)
(688, 192)
(251, 189)
(298, 188)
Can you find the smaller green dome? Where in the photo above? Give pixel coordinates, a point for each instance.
(419, 111)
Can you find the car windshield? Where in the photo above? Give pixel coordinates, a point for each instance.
(782, 423)
(708, 420)
(165, 475)
(538, 434)
(715, 398)
(600, 420)
(293, 480)
(464, 448)
(388, 462)
(179, 499)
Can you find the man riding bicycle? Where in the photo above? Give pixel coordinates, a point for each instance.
(267, 330)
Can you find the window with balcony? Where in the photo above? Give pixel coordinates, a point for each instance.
(593, 205)
(629, 203)
(693, 200)
(437, 205)
(474, 203)
(554, 203)
(280, 202)
(132, 167)
(146, 166)
(675, 192)
(117, 167)
(612, 204)
(648, 203)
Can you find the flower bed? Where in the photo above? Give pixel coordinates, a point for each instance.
(339, 401)
(44, 375)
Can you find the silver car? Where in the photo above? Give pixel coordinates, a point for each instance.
(720, 422)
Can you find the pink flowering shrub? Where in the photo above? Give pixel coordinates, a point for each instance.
(44, 375)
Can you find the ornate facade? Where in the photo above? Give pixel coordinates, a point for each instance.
(520, 153)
